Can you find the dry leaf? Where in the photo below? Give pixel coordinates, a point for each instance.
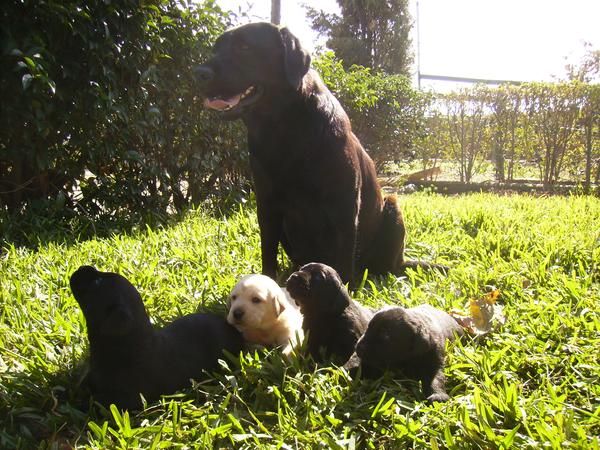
(485, 314)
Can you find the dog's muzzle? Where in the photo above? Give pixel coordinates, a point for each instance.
(238, 314)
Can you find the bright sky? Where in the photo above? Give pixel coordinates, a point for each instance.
(525, 40)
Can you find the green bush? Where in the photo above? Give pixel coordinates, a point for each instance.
(553, 126)
(386, 113)
(99, 110)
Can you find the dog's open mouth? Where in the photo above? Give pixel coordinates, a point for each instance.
(246, 98)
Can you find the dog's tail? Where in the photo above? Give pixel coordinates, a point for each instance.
(392, 234)
(387, 249)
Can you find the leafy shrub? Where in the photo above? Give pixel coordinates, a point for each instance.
(386, 113)
(99, 109)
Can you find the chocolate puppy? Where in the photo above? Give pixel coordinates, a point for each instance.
(333, 321)
(411, 340)
(128, 357)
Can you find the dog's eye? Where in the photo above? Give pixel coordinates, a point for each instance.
(255, 300)
(233, 297)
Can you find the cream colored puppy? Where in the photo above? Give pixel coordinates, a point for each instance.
(264, 313)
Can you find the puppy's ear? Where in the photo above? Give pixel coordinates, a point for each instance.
(338, 300)
(279, 302)
(296, 60)
(424, 341)
(118, 322)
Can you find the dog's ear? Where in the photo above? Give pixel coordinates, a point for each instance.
(424, 341)
(279, 302)
(118, 321)
(296, 60)
(337, 300)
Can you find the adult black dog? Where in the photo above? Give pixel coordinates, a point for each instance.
(413, 341)
(316, 187)
(128, 357)
(333, 321)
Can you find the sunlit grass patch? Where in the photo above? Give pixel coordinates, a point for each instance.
(533, 383)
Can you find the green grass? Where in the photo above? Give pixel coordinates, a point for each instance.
(534, 383)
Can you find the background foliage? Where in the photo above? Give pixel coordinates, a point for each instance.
(100, 118)
(386, 112)
(552, 126)
(99, 108)
(368, 33)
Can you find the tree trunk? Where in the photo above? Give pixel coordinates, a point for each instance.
(276, 12)
(588, 156)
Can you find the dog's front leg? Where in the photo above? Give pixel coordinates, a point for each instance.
(270, 224)
(434, 387)
(270, 219)
(344, 242)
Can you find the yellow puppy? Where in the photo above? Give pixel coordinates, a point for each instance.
(264, 314)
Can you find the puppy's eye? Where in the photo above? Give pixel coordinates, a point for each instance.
(233, 297)
(255, 300)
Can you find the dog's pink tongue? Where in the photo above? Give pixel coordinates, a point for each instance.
(220, 104)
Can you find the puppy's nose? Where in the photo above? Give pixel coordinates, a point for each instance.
(238, 314)
(299, 277)
(204, 73)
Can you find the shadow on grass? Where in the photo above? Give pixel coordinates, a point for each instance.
(42, 223)
(53, 410)
(39, 408)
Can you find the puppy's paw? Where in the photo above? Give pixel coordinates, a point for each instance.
(438, 397)
(352, 366)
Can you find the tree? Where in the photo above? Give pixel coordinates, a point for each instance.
(369, 33)
(588, 69)
(590, 124)
(99, 115)
(554, 111)
(386, 113)
(506, 105)
(468, 126)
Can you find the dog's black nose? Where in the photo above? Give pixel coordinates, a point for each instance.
(238, 314)
(204, 73)
(83, 276)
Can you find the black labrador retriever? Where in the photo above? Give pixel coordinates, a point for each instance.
(332, 320)
(129, 357)
(316, 188)
(411, 340)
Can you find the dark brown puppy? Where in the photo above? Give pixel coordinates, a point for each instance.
(333, 321)
(128, 357)
(316, 187)
(412, 340)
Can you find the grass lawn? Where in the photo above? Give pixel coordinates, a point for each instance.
(533, 383)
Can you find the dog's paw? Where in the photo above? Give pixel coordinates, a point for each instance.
(438, 397)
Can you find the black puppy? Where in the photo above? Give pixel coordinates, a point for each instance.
(411, 340)
(316, 187)
(128, 357)
(333, 321)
